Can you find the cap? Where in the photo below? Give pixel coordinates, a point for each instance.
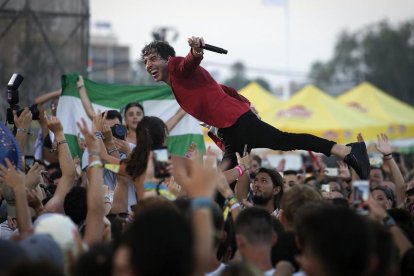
(60, 227)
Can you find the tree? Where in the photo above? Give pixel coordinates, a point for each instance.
(239, 79)
(380, 54)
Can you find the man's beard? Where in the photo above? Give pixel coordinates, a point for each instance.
(261, 200)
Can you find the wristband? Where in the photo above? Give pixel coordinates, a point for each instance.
(201, 203)
(235, 206)
(389, 154)
(230, 200)
(239, 169)
(62, 142)
(99, 135)
(96, 164)
(24, 130)
(94, 153)
(112, 150)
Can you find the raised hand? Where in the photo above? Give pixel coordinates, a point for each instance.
(244, 161)
(24, 119)
(33, 200)
(54, 124)
(79, 82)
(360, 138)
(383, 146)
(122, 145)
(81, 142)
(200, 181)
(91, 141)
(12, 177)
(98, 121)
(33, 176)
(343, 170)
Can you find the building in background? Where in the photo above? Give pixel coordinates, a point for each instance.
(41, 40)
(109, 61)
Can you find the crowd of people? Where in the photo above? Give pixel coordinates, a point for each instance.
(108, 212)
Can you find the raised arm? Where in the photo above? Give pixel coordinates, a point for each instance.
(84, 98)
(378, 213)
(48, 96)
(174, 120)
(384, 147)
(95, 194)
(200, 185)
(66, 182)
(22, 123)
(190, 63)
(15, 179)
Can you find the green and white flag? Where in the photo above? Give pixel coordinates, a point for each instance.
(157, 101)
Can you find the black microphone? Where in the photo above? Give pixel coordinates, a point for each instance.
(215, 49)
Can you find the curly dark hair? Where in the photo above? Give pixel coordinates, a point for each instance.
(162, 48)
(277, 181)
(151, 134)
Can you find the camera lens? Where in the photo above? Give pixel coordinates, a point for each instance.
(118, 131)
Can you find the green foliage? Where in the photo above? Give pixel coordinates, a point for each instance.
(239, 79)
(381, 54)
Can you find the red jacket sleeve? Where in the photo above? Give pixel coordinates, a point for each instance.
(187, 65)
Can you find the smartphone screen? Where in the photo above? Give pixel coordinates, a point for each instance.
(360, 191)
(28, 161)
(326, 188)
(331, 171)
(160, 157)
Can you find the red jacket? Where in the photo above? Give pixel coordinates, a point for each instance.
(201, 96)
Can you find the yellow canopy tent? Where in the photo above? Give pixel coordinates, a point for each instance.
(313, 111)
(370, 100)
(260, 98)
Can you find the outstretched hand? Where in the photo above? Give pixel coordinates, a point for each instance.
(92, 142)
(54, 124)
(11, 176)
(24, 119)
(199, 181)
(383, 146)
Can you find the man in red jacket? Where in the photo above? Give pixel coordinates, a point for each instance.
(222, 107)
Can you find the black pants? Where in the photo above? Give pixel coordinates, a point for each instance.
(250, 130)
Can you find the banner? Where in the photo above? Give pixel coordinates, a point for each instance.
(157, 101)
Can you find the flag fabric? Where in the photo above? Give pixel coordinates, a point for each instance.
(157, 101)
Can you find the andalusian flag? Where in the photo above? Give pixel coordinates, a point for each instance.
(157, 101)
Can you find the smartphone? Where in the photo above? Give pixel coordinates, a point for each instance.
(331, 172)
(161, 157)
(360, 194)
(326, 188)
(28, 161)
